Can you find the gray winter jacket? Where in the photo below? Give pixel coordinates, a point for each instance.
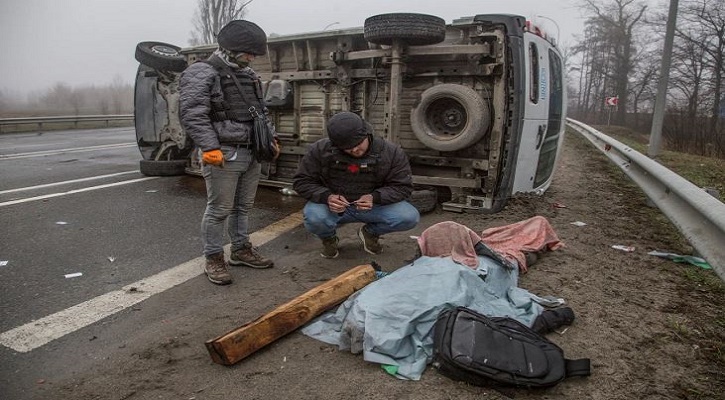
(197, 85)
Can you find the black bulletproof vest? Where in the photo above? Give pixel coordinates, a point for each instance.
(235, 103)
(353, 177)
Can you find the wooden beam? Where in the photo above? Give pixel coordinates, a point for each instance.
(241, 342)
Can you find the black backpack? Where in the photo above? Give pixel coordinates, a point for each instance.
(496, 351)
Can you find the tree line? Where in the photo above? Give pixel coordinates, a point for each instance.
(619, 55)
(62, 99)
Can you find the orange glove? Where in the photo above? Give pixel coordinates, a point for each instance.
(213, 157)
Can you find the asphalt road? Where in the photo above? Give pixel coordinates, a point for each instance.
(74, 202)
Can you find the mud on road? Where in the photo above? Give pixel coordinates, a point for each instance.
(653, 329)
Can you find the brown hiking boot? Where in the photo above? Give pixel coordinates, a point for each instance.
(216, 269)
(329, 247)
(370, 241)
(248, 256)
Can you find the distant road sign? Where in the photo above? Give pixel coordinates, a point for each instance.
(611, 101)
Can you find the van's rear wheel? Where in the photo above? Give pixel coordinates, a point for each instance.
(412, 29)
(161, 56)
(162, 168)
(450, 117)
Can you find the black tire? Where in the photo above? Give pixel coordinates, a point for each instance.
(162, 56)
(450, 117)
(425, 200)
(412, 29)
(162, 168)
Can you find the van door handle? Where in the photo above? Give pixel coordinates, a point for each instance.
(540, 136)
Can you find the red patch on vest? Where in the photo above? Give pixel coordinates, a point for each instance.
(353, 168)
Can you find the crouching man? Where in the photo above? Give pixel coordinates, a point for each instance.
(353, 176)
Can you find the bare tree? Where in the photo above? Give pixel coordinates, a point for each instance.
(117, 91)
(616, 21)
(708, 16)
(212, 15)
(4, 102)
(58, 97)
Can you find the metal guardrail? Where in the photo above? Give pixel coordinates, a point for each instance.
(74, 119)
(699, 216)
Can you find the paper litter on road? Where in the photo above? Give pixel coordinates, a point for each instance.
(628, 249)
(111, 258)
(579, 223)
(61, 223)
(4, 263)
(152, 191)
(73, 275)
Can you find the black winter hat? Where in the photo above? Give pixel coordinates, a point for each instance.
(346, 130)
(243, 36)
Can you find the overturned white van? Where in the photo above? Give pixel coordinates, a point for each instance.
(478, 104)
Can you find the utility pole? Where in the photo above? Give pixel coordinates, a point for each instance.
(655, 136)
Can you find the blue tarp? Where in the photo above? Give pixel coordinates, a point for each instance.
(391, 320)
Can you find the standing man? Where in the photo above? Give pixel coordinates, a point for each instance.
(215, 97)
(352, 176)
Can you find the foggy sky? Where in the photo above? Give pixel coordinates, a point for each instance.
(92, 42)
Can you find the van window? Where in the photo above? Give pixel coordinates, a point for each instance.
(556, 94)
(534, 73)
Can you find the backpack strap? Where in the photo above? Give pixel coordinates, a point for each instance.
(578, 367)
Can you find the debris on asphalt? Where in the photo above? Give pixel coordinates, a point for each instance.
(558, 205)
(678, 258)
(628, 249)
(4, 263)
(579, 223)
(111, 258)
(61, 223)
(74, 275)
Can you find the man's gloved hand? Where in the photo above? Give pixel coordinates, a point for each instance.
(213, 157)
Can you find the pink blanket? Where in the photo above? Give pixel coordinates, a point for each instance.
(450, 239)
(511, 241)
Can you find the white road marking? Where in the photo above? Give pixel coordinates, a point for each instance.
(66, 182)
(37, 333)
(87, 189)
(63, 151)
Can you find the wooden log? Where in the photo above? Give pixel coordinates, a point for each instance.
(241, 342)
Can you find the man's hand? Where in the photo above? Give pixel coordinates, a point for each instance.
(213, 157)
(365, 202)
(277, 148)
(337, 203)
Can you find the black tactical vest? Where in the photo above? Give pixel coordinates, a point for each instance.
(235, 103)
(353, 177)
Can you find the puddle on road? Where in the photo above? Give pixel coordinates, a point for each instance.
(268, 198)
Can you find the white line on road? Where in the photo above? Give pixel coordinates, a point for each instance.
(63, 151)
(37, 333)
(66, 182)
(50, 195)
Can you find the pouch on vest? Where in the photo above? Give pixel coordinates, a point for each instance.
(262, 139)
(491, 351)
